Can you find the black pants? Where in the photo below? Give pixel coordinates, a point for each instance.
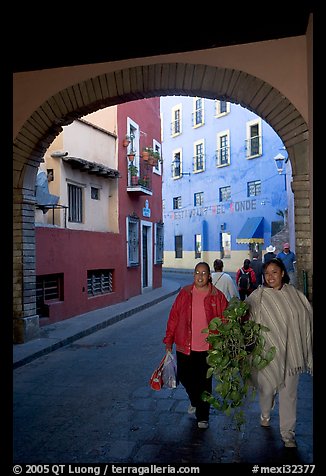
(192, 371)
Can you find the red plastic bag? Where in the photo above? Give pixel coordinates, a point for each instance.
(156, 380)
(165, 375)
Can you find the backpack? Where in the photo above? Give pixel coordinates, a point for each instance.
(244, 280)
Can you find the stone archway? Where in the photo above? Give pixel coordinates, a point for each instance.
(124, 85)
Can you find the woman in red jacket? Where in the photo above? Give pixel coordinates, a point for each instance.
(193, 309)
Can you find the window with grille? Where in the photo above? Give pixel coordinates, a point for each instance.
(223, 149)
(198, 245)
(99, 281)
(178, 246)
(198, 199)
(225, 194)
(176, 121)
(159, 243)
(254, 188)
(133, 241)
(199, 157)
(177, 203)
(75, 203)
(254, 139)
(198, 114)
(176, 165)
(48, 288)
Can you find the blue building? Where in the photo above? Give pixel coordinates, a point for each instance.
(223, 196)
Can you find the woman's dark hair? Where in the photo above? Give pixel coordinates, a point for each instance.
(208, 269)
(218, 265)
(278, 262)
(246, 263)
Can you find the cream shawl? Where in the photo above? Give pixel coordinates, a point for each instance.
(288, 314)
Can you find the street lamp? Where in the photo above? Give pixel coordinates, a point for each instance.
(280, 161)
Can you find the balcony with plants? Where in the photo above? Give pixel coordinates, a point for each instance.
(140, 178)
(151, 156)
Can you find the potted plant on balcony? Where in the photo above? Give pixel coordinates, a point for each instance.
(126, 141)
(147, 152)
(155, 158)
(133, 170)
(151, 156)
(131, 155)
(144, 181)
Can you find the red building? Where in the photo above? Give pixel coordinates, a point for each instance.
(99, 231)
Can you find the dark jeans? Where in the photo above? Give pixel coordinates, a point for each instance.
(243, 293)
(192, 371)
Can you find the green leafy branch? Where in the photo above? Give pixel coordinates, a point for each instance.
(237, 348)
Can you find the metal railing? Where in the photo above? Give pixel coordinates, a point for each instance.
(53, 207)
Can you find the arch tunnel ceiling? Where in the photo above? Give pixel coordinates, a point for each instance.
(133, 83)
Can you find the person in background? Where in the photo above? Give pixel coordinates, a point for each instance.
(193, 309)
(289, 259)
(223, 281)
(246, 280)
(257, 265)
(270, 254)
(289, 317)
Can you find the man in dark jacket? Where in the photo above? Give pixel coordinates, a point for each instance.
(245, 274)
(270, 254)
(257, 265)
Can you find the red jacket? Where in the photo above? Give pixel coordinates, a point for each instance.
(178, 329)
(252, 277)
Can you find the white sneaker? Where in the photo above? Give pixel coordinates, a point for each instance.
(264, 421)
(203, 425)
(191, 409)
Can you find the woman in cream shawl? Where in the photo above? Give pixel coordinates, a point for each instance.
(288, 314)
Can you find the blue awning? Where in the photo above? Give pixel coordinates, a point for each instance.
(252, 231)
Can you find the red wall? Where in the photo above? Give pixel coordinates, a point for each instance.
(146, 113)
(73, 253)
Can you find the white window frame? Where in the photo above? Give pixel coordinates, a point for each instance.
(199, 195)
(177, 107)
(136, 131)
(249, 139)
(174, 153)
(157, 147)
(218, 112)
(199, 142)
(219, 148)
(202, 109)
